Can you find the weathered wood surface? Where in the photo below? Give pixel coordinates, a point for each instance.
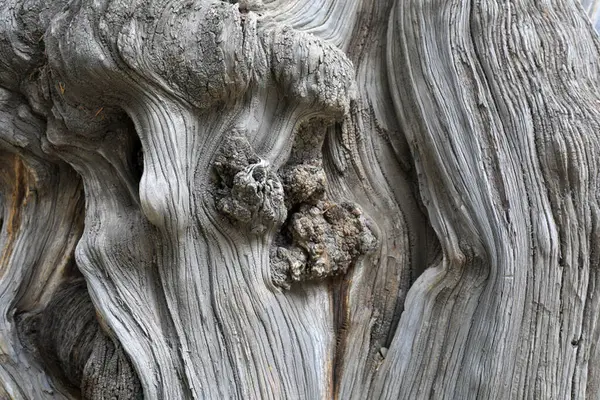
(320, 199)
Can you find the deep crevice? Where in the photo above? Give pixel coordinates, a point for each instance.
(137, 158)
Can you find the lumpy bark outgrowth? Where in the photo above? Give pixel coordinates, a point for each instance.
(320, 241)
(320, 238)
(249, 191)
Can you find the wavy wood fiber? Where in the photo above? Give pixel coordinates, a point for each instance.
(325, 199)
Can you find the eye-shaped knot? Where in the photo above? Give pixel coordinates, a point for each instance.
(258, 171)
(254, 195)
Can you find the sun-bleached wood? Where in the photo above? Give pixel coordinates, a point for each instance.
(317, 199)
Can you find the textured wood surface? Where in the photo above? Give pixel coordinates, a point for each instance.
(386, 199)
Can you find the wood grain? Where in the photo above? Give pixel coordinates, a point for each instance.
(299, 199)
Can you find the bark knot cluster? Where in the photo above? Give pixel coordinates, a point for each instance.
(321, 241)
(250, 192)
(316, 237)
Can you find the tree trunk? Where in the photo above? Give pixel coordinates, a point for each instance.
(366, 199)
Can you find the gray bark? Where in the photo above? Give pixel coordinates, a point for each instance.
(357, 199)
